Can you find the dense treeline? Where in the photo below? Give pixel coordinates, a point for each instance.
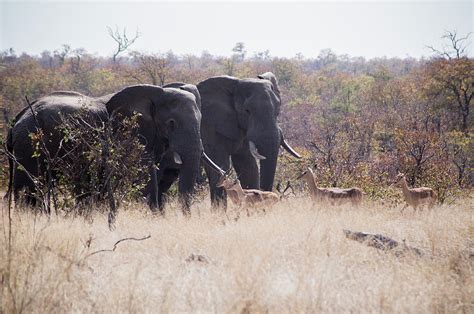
(357, 121)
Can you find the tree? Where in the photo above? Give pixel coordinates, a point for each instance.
(239, 51)
(454, 49)
(154, 67)
(122, 40)
(237, 57)
(453, 76)
(62, 53)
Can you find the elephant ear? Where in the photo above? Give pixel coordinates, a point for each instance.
(269, 76)
(189, 88)
(218, 108)
(135, 99)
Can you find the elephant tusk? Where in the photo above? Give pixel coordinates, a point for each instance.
(287, 147)
(254, 151)
(177, 158)
(211, 164)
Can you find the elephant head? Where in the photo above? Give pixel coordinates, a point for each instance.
(187, 87)
(246, 111)
(169, 121)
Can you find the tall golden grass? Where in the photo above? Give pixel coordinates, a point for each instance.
(293, 258)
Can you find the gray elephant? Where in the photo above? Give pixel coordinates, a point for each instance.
(170, 163)
(49, 111)
(169, 121)
(239, 124)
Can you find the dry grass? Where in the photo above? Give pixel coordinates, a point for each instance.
(295, 258)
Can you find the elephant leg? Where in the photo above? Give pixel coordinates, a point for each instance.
(221, 158)
(21, 181)
(151, 189)
(161, 200)
(169, 177)
(246, 168)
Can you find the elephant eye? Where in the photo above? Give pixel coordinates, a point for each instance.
(247, 111)
(171, 124)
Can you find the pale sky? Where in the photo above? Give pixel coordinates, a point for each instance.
(368, 29)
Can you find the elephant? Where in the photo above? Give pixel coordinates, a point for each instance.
(169, 124)
(49, 111)
(170, 162)
(169, 121)
(239, 124)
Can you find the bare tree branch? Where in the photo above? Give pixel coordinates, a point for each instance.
(122, 40)
(456, 46)
(116, 244)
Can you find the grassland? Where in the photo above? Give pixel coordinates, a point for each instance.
(294, 258)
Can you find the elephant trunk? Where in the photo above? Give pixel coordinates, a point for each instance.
(267, 170)
(264, 147)
(189, 153)
(187, 178)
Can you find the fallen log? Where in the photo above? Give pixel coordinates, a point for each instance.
(381, 242)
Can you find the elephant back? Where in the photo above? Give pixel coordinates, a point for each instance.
(50, 112)
(53, 108)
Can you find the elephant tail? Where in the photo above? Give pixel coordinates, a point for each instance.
(9, 146)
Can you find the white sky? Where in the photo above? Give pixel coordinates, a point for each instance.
(369, 29)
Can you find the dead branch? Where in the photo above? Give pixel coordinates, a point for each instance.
(380, 242)
(197, 258)
(457, 45)
(116, 244)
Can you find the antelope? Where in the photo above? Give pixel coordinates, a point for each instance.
(246, 197)
(288, 187)
(331, 195)
(416, 196)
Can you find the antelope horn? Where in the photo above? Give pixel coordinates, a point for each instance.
(302, 174)
(229, 172)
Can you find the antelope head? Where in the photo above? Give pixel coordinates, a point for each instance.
(308, 170)
(399, 179)
(225, 181)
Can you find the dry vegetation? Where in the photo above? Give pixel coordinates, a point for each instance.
(357, 122)
(295, 258)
